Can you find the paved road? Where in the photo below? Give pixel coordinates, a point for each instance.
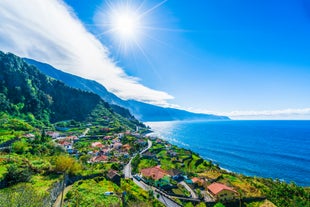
(162, 198)
(166, 201)
(149, 145)
(58, 200)
(85, 132)
(127, 168)
(189, 189)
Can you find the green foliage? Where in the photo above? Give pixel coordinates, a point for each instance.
(22, 195)
(91, 193)
(20, 147)
(15, 174)
(137, 197)
(219, 205)
(26, 92)
(283, 194)
(66, 164)
(201, 204)
(188, 204)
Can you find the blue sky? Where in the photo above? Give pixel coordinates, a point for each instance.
(246, 59)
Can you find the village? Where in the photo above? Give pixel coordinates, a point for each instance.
(171, 173)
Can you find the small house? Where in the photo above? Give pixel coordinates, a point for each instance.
(222, 192)
(114, 177)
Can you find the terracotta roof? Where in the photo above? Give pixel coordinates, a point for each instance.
(97, 144)
(215, 188)
(155, 173)
(99, 158)
(195, 179)
(112, 173)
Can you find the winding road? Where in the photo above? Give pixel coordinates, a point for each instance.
(161, 197)
(127, 168)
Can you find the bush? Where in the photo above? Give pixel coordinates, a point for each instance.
(67, 164)
(15, 175)
(21, 147)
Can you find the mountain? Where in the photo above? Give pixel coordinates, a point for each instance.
(24, 90)
(143, 111)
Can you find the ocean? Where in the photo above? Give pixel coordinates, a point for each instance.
(270, 149)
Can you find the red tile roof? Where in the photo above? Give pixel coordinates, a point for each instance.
(99, 158)
(215, 188)
(155, 173)
(97, 144)
(197, 180)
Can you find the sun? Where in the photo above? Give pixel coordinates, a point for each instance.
(126, 24)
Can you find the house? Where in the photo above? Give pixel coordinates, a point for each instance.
(198, 181)
(159, 141)
(127, 132)
(120, 135)
(101, 158)
(97, 144)
(72, 138)
(175, 174)
(222, 192)
(126, 147)
(154, 173)
(117, 145)
(148, 155)
(114, 177)
(52, 134)
(141, 142)
(108, 137)
(171, 153)
(29, 136)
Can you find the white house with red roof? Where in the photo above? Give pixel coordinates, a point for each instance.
(222, 192)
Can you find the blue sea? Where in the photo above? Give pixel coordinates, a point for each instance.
(270, 149)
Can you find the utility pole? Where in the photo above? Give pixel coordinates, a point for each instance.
(63, 189)
(123, 199)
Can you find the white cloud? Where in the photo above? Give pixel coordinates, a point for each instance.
(265, 114)
(48, 31)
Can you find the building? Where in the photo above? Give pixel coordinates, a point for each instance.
(175, 174)
(154, 173)
(97, 144)
(198, 181)
(221, 192)
(114, 177)
(101, 158)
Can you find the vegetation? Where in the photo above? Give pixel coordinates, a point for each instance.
(27, 93)
(31, 162)
(100, 192)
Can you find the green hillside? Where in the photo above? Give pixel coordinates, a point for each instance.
(25, 91)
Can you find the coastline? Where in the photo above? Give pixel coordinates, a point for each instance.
(179, 143)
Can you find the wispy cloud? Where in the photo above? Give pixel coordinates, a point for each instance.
(265, 114)
(48, 31)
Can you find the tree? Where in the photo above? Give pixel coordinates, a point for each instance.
(66, 164)
(15, 175)
(189, 204)
(219, 205)
(20, 147)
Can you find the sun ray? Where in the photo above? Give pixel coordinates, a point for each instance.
(128, 24)
(153, 8)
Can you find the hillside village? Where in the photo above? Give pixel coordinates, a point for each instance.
(120, 166)
(177, 174)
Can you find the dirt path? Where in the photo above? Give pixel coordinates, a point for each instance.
(57, 202)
